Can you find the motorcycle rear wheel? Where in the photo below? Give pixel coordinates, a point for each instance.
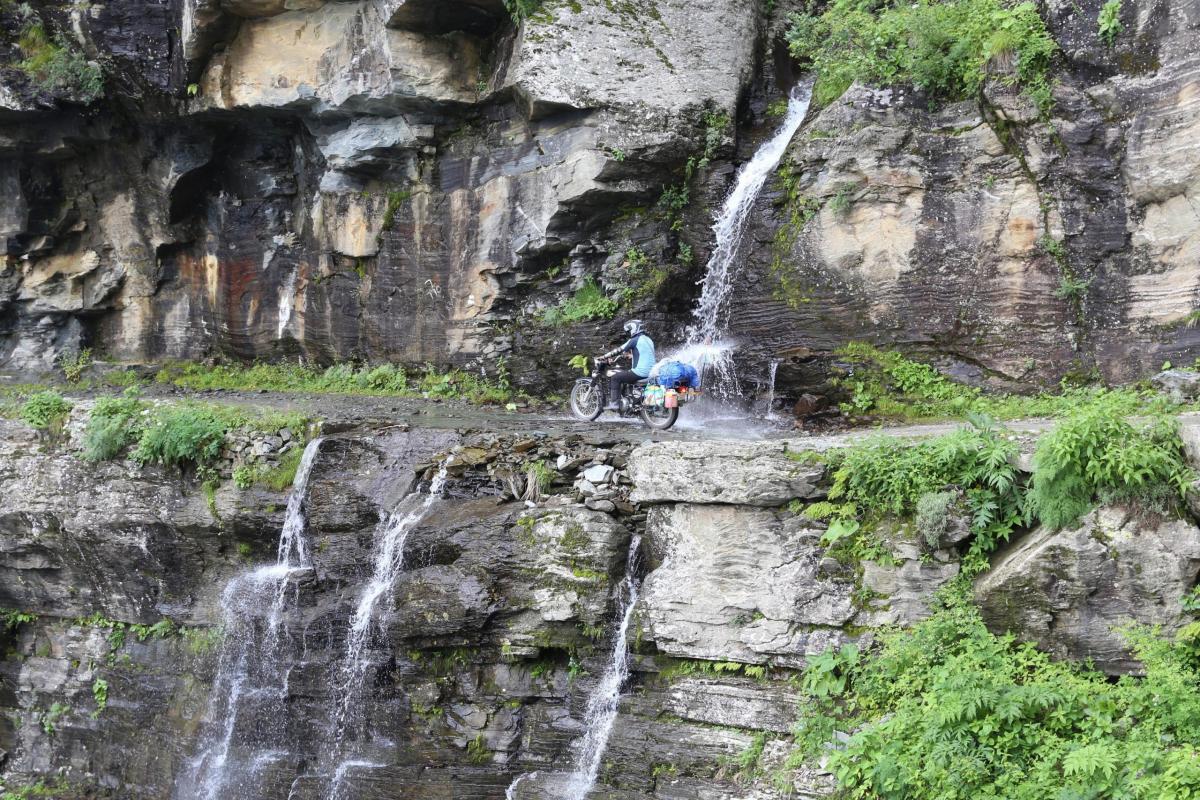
(586, 403)
(660, 418)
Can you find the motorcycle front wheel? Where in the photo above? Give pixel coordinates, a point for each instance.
(660, 418)
(586, 403)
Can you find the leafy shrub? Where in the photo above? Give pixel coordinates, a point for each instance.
(589, 302)
(53, 64)
(1109, 22)
(947, 710)
(946, 47)
(100, 695)
(182, 436)
(384, 379)
(45, 410)
(73, 364)
(887, 477)
(886, 384)
(274, 478)
(115, 423)
(14, 619)
(1097, 454)
(933, 516)
(642, 277)
(522, 9)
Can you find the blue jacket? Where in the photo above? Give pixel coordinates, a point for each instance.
(642, 347)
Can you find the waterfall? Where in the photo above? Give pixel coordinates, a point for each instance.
(388, 563)
(287, 303)
(511, 792)
(250, 688)
(711, 315)
(771, 388)
(729, 229)
(606, 697)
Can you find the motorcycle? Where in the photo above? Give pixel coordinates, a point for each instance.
(657, 406)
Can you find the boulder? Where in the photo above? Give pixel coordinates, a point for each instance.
(742, 473)
(740, 584)
(1183, 385)
(1071, 590)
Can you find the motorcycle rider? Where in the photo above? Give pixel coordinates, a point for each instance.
(642, 347)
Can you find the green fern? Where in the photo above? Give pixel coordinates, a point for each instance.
(946, 710)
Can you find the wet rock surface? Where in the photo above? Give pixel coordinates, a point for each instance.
(482, 657)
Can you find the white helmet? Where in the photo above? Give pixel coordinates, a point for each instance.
(633, 327)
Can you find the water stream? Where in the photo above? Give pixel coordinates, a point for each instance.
(706, 346)
(251, 684)
(388, 561)
(511, 792)
(774, 370)
(605, 700)
(711, 312)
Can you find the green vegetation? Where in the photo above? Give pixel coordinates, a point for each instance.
(947, 710)
(182, 436)
(580, 362)
(541, 475)
(778, 108)
(277, 479)
(51, 716)
(643, 278)
(395, 202)
(115, 424)
(675, 668)
(887, 477)
(100, 695)
(886, 384)
(1094, 455)
(798, 212)
(1097, 453)
(14, 619)
(522, 9)
(945, 47)
(201, 641)
(1072, 289)
(477, 751)
(73, 364)
(45, 411)
(588, 303)
(676, 198)
(842, 199)
(54, 65)
(383, 380)
(747, 760)
(1109, 22)
(186, 435)
(40, 789)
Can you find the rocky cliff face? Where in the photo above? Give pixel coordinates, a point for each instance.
(483, 657)
(413, 180)
(382, 179)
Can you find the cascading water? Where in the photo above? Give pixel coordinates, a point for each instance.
(388, 564)
(250, 688)
(511, 792)
(712, 309)
(774, 370)
(605, 700)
